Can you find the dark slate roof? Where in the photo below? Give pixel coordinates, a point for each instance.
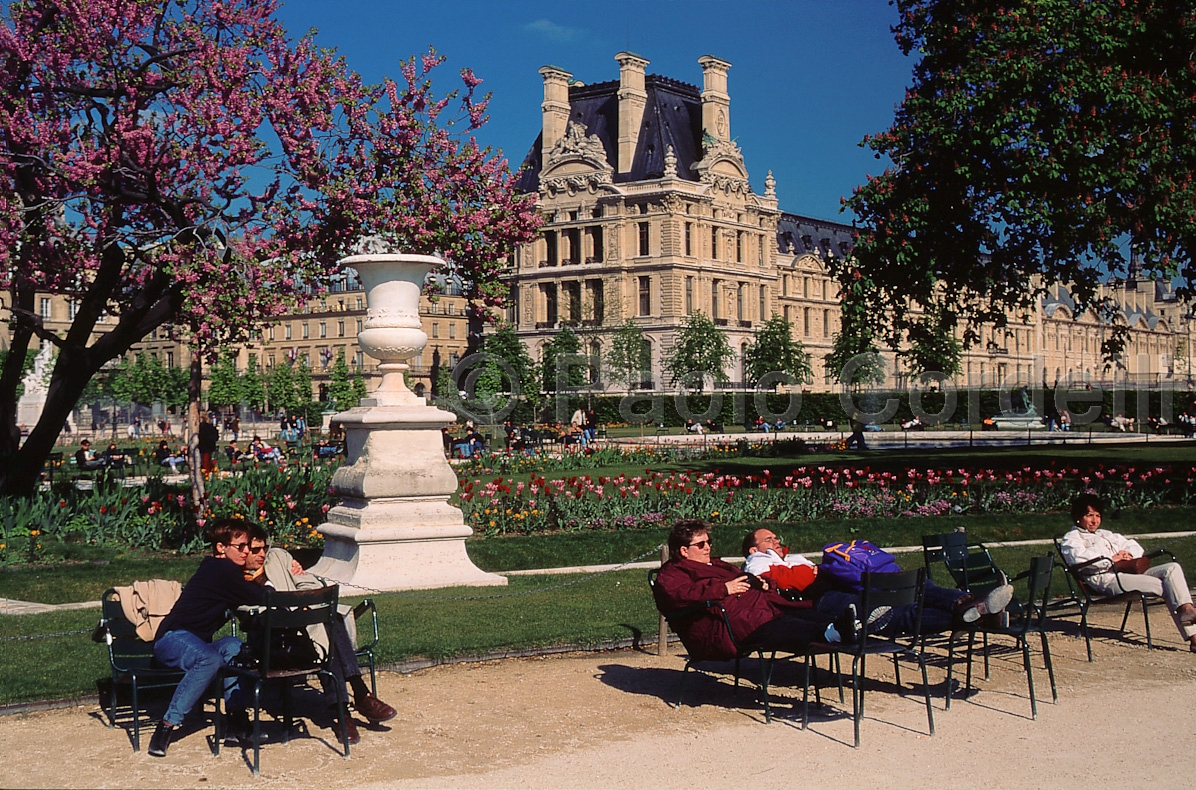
(818, 236)
(672, 116)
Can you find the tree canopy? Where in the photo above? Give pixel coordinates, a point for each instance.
(156, 149)
(562, 359)
(1040, 142)
(629, 361)
(699, 350)
(774, 349)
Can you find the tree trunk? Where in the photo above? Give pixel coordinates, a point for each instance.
(20, 469)
(194, 390)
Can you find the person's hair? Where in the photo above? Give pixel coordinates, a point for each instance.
(749, 541)
(1080, 505)
(257, 532)
(86, 441)
(162, 443)
(682, 534)
(222, 530)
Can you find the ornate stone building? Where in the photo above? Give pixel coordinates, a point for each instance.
(650, 216)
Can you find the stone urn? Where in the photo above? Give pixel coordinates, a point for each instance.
(394, 528)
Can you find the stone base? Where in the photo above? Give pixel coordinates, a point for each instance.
(1018, 422)
(412, 543)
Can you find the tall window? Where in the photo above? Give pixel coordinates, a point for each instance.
(340, 328)
(784, 285)
(289, 331)
(806, 322)
(763, 311)
(689, 296)
(645, 296)
(643, 238)
(452, 331)
(714, 243)
(739, 246)
(72, 308)
(826, 323)
(739, 301)
(323, 329)
(689, 248)
(715, 289)
(306, 331)
(550, 247)
(435, 329)
(44, 308)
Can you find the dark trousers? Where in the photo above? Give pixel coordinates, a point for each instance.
(791, 632)
(938, 604)
(344, 661)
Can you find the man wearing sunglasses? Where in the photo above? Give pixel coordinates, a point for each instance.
(184, 639)
(276, 567)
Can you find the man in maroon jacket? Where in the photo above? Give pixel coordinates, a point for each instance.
(759, 616)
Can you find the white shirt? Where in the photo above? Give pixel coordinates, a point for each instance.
(1080, 546)
(759, 562)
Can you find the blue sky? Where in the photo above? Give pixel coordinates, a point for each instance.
(809, 78)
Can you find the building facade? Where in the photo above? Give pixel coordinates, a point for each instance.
(649, 216)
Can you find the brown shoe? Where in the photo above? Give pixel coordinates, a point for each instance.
(351, 733)
(374, 709)
(1189, 618)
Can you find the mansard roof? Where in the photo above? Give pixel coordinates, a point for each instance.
(819, 237)
(672, 116)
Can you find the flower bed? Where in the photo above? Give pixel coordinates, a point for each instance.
(289, 502)
(503, 506)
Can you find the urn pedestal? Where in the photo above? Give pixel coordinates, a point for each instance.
(394, 528)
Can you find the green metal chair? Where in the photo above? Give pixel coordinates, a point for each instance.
(1080, 597)
(365, 649)
(879, 589)
(131, 660)
(1031, 619)
(286, 612)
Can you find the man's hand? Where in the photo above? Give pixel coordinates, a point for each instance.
(1122, 555)
(296, 568)
(738, 585)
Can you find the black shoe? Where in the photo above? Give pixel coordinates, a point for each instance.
(161, 740)
(238, 728)
(846, 628)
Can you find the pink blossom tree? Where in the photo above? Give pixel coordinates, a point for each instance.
(185, 163)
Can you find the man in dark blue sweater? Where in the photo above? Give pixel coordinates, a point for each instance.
(184, 638)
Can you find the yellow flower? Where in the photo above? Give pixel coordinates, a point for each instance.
(33, 533)
(713, 513)
(492, 524)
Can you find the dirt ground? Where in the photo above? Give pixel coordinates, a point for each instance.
(603, 720)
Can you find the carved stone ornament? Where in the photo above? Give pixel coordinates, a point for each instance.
(770, 186)
(670, 163)
(715, 152)
(578, 182)
(577, 145)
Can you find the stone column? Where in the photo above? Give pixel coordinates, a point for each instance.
(394, 529)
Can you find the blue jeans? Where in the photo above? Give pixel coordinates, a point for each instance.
(201, 661)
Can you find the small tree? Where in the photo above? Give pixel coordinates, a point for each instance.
(340, 389)
(700, 350)
(933, 345)
(556, 353)
(509, 368)
(301, 398)
(253, 389)
(360, 390)
(224, 388)
(774, 349)
(280, 387)
(628, 362)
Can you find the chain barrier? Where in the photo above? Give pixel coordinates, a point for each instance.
(428, 596)
(31, 637)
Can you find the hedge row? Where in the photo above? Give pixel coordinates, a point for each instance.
(954, 407)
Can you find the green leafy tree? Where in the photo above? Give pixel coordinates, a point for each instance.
(142, 382)
(628, 362)
(174, 386)
(509, 368)
(774, 348)
(1039, 143)
(562, 353)
(700, 350)
(340, 388)
(253, 388)
(933, 346)
(359, 387)
(280, 387)
(301, 399)
(854, 359)
(224, 388)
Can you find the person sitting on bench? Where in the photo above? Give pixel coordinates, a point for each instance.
(86, 460)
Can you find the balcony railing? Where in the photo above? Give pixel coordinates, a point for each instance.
(720, 322)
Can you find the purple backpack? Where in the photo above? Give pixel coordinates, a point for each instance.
(847, 562)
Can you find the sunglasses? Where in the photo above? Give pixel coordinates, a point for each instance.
(240, 547)
(701, 544)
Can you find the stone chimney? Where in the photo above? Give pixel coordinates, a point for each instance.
(632, 98)
(716, 102)
(555, 106)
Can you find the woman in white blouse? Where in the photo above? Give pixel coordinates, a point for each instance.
(1087, 541)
